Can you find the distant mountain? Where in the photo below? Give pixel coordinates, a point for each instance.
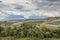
(14, 17)
(37, 17)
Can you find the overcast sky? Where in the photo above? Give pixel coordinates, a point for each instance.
(49, 8)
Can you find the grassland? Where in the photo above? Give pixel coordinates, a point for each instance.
(29, 38)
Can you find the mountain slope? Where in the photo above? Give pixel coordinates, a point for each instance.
(14, 17)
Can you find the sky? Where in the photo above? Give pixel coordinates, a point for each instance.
(27, 8)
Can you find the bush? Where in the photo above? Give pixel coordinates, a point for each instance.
(28, 30)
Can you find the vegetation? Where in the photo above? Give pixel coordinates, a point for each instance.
(29, 30)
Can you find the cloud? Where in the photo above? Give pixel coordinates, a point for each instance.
(27, 8)
(52, 0)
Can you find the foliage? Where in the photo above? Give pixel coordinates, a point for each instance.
(29, 30)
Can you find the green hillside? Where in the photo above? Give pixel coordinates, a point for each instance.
(31, 29)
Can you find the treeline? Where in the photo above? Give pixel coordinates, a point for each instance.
(28, 30)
